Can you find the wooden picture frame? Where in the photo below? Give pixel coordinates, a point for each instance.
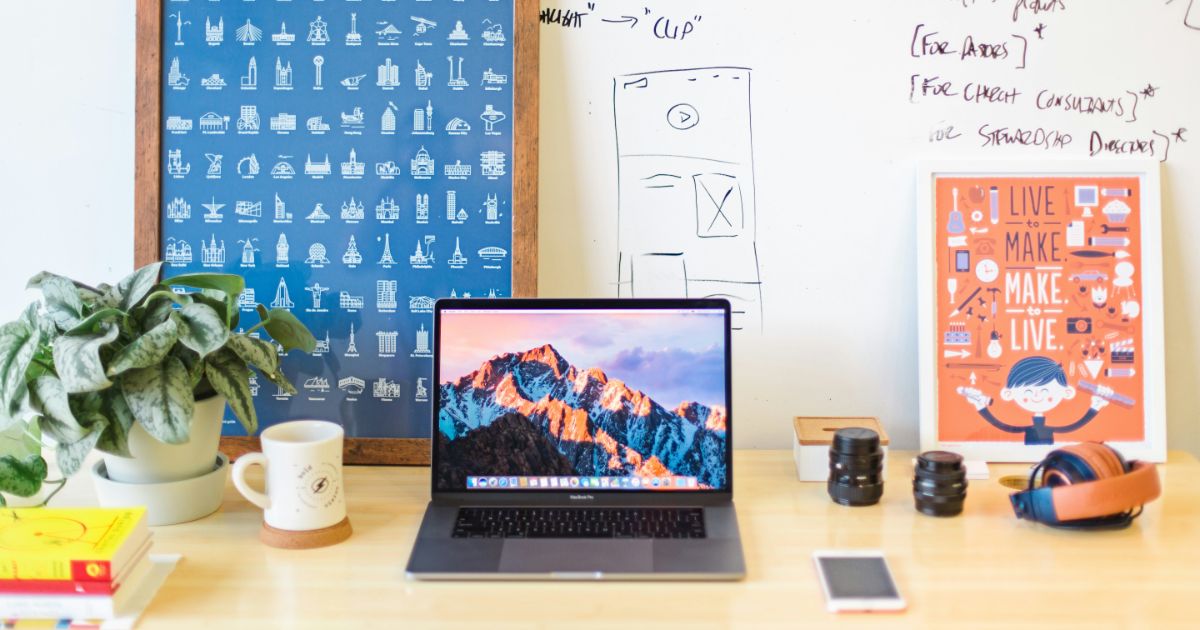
(1059, 265)
(524, 169)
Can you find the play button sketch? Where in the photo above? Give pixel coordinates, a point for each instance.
(683, 117)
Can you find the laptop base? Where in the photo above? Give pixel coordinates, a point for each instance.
(437, 555)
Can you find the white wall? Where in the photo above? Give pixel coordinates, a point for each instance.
(66, 143)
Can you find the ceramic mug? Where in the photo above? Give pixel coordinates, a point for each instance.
(303, 462)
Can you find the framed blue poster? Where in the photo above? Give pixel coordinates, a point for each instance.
(354, 160)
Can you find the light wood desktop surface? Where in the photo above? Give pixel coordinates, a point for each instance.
(982, 569)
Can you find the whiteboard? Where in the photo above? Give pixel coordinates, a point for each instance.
(815, 116)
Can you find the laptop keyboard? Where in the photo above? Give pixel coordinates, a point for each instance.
(552, 522)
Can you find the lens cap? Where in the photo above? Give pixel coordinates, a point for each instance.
(855, 441)
(939, 461)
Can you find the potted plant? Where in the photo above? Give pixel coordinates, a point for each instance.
(140, 371)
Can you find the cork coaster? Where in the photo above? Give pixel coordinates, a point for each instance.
(288, 539)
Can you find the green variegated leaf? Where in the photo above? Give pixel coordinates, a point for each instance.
(194, 365)
(101, 295)
(38, 278)
(288, 331)
(154, 312)
(38, 320)
(22, 477)
(89, 295)
(276, 376)
(279, 379)
(63, 304)
(91, 419)
(214, 294)
(196, 372)
(201, 329)
(160, 397)
(50, 398)
(130, 290)
(20, 452)
(146, 350)
(259, 353)
(129, 329)
(229, 284)
(23, 409)
(218, 302)
(84, 406)
(229, 375)
(70, 455)
(42, 362)
(18, 343)
(20, 440)
(77, 360)
(115, 439)
(94, 323)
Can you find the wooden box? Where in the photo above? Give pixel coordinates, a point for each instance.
(814, 435)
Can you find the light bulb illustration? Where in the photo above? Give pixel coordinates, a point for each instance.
(994, 349)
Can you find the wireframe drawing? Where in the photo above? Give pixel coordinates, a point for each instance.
(686, 216)
(1191, 16)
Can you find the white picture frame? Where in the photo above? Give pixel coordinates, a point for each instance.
(932, 287)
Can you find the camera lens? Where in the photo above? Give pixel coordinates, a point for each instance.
(855, 467)
(940, 483)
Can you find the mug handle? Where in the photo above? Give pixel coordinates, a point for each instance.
(239, 479)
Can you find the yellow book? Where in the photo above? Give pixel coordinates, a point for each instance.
(70, 544)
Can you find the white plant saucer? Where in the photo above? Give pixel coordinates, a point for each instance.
(169, 502)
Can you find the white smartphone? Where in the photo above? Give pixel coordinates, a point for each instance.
(857, 581)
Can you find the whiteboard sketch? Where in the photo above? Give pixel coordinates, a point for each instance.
(686, 200)
(1191, 17)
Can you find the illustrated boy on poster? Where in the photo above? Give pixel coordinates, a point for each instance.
(1037, 385)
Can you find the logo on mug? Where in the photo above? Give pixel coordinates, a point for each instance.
(317, 486)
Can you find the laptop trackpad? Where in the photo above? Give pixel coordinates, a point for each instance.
(577, 555)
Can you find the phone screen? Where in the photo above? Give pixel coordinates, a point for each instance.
(858, 577)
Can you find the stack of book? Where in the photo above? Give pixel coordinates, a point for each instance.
(82, 563)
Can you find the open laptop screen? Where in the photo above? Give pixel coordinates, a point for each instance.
(617, 399)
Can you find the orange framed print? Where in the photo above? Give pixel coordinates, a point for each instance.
(1041, 318)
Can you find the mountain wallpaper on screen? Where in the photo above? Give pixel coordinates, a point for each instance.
(532, 413)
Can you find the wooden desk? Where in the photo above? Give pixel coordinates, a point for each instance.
(982, 569)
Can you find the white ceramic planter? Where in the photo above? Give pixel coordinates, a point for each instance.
(175, 482)
(156, 462)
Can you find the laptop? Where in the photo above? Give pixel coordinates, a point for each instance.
(581, 440)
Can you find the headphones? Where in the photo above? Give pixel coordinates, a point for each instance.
(1087, 486)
